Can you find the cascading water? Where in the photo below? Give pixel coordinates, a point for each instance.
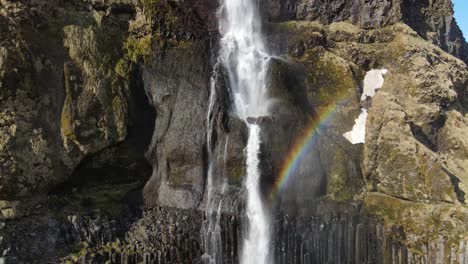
(211, 231)
(256, 244)
(244, 55)
(245, 58)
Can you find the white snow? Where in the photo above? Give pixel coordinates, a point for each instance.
(358, 134)
(373, 80)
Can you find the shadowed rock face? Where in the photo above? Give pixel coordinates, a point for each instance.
(103, 132)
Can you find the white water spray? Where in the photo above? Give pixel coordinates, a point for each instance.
(245, 58)
(256, 244)
(211, 230)
(244, 55)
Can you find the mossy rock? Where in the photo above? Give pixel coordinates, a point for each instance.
(83, 249)
(340, 186)
(421, 223)
(330, 78)
(123, 68)
(138, 48)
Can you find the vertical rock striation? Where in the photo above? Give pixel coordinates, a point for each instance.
(103, 140)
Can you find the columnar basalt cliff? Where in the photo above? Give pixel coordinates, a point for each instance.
(103, 133)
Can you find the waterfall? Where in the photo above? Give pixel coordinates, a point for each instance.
(256, 244)
(211, 230)
(244, 55)
(245, 58)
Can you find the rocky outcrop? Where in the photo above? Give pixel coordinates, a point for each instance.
(65, 101)
(168, 236)
(179, 92)
(110, 109)
(432, 20)
(30, 113)
(406, 173)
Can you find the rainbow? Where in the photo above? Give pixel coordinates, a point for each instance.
(301, 147)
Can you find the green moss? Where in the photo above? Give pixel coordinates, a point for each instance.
(123, 68)
(329, 80)
(82, 249)
(344, 26)
(66, 124)
(138, 48)
(421, 223)
(119, 112)
(143, 48)
(154, 7)
(338, 187)
(294, 25)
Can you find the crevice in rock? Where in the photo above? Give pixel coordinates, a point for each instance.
(394, 196)
(115, 175)
(420, 136)
(142, 114)
(456, 185)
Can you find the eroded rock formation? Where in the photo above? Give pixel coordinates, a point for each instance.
(103, 152)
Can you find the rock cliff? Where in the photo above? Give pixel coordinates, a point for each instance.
(103, 132)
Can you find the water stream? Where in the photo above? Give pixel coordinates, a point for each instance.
(211, 230)
(245, 58)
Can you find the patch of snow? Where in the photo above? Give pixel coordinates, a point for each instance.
(373, 80)
(358, 134)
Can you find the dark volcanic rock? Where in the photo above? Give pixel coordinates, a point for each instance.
(178, 85)
(112, 113)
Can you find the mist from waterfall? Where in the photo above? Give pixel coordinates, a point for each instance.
(245, 58)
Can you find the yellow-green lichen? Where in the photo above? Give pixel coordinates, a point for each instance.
(119, 112)
(338, 186)
(83, 249)
(66, 123)
(138, 48)
(158, 8)
(294, 25)
(344, 26)
(421, 223)
(123, 68)
(329, 80)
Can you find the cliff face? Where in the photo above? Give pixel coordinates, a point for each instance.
(103, 132)
(432, 20)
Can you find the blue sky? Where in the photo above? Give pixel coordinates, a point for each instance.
(461, 15)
